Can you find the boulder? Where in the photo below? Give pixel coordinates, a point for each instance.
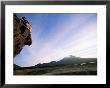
(22, 34)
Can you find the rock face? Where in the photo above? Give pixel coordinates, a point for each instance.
(22, 34)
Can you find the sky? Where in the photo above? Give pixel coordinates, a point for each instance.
(59, 35)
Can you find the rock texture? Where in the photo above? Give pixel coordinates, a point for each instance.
(22, 34)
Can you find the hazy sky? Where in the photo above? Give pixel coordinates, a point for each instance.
(55, 36)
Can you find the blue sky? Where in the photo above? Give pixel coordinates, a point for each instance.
(58, 35)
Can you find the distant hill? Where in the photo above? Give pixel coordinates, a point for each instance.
(76, 60)
(17, 67)
(68, 60)
(65, 61)
(66, 66)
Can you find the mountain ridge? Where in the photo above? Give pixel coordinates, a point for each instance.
(64, 61)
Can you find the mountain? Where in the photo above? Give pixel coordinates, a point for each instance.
(66, 66)
(76, 60)
(65, 61)
(68, 60)
(17, 67)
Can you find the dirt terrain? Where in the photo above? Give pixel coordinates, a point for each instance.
(70, 69)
